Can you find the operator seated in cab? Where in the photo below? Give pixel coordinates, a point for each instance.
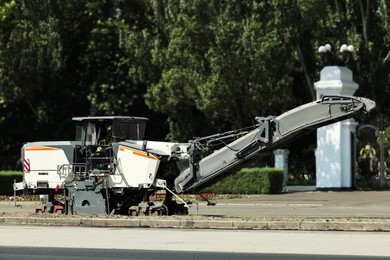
(105, 143)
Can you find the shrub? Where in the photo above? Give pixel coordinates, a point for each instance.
(7, 180)
(251, 181)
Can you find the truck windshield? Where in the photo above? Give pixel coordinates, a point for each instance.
(124, 130)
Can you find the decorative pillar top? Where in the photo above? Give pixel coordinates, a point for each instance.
(335, 78)
(281, 152)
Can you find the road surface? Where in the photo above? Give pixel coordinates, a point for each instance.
(328, 243)
(38, 253)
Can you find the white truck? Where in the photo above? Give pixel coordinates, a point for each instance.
(110, 168)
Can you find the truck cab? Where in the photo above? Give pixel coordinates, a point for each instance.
(95, 136)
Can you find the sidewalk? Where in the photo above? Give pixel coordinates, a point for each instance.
(358, 211)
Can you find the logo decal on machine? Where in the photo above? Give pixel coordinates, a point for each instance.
(139, 153)
(26, 165)
(40, 148)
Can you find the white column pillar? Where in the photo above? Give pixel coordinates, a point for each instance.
(281, 161)
(334, 142)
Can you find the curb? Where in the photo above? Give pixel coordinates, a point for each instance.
(320, 224)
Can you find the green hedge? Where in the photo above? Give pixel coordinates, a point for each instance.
(251, 181)
(7, 180)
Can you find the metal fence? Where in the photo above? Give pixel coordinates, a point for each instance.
(372, 162)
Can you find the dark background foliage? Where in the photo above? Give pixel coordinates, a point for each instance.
(193, 67)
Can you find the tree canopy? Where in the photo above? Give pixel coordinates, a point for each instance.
(193, 67)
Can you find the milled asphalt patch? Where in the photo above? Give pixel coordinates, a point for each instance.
(312, 224)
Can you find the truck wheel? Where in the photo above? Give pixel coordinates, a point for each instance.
(58, 209)
(40, 209)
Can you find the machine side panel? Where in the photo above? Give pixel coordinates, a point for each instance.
(41, 162)
(163, 148)
(225, 156)
(296, 118)
(139, 168)
(322, 112)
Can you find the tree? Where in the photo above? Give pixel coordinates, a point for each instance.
(363, 24)
(118, 64)
(217, 66)
(31, 65)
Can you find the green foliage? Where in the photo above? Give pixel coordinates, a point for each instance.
(196, 67)
(216, 62)
(7, 180)
(251, 181)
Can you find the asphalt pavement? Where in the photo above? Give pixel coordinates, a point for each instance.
(310, 210)
(353, 204)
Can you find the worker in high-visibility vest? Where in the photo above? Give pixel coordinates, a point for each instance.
(104, 142)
